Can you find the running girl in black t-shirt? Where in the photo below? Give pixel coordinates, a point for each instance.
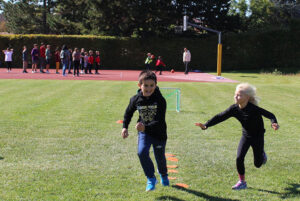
(250, 115)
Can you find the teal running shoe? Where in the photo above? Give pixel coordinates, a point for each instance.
(151, 184)
(164, 180)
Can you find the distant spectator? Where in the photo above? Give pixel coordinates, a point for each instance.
(97, 62)
(57, 60)
(76, 61)
(35, 58)
(70, 61)
(25, 59)
(86, 62)
(8, 58)
(42, 57)
(65, 58)
(186, 60)
(48, 58)
(82, 60)
(148, 61)
(91, 61)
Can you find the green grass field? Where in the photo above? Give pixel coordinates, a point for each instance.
(59, 140)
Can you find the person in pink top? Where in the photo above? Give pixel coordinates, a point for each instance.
(159, 65)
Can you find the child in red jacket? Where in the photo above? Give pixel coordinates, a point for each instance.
(97, 61)
(159, 65)
(90, 61)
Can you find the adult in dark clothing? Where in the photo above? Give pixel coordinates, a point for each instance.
(250, 115)
(151, 126)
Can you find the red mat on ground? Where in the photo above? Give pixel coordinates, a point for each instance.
(117, 75)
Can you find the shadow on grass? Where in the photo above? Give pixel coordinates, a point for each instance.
(1, 158)
(292, 191)
(171, 198)
(203, 195)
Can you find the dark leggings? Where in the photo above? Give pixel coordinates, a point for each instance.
(158, 68)
(90, 66)
(8, 65)
(257, 145)
(97, 66)
(76, 67)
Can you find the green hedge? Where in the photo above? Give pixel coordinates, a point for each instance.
(268, 50)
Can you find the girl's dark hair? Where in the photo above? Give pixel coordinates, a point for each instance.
(147, 75)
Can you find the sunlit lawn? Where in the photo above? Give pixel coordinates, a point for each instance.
(59, 140)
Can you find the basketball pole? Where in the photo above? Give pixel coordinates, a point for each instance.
(219, 58)
(219, 49)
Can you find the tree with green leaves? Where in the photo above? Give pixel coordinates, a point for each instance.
(25, 16)
(119, 18)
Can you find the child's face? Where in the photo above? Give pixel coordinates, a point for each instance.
(240, 97)
(147, 87)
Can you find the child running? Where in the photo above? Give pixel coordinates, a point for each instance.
(151, 127)
(159, 65)
(250, 115)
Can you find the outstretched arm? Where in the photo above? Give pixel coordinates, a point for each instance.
(202, 126)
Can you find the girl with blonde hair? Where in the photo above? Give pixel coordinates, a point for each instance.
(249, 115)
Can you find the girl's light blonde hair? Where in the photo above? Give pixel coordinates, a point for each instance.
(250, 91)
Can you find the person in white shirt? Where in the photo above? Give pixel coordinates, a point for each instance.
(186, 60)
(8, 58)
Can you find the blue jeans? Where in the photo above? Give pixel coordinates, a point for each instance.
(144, 143)
(65, 66)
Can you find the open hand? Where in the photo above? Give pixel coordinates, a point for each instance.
(201, 126)
(275, 126)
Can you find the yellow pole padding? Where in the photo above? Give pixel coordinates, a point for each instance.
(219, 59)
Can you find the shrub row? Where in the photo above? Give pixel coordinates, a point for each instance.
(273, 49)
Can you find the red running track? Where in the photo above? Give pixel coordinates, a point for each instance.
(117, 75)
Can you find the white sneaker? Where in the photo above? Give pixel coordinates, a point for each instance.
(239, 185)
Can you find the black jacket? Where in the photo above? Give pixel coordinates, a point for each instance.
(152, 112)
(250, 118)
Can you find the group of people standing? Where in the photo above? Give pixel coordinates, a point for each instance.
(160, 64)
(81, 61)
